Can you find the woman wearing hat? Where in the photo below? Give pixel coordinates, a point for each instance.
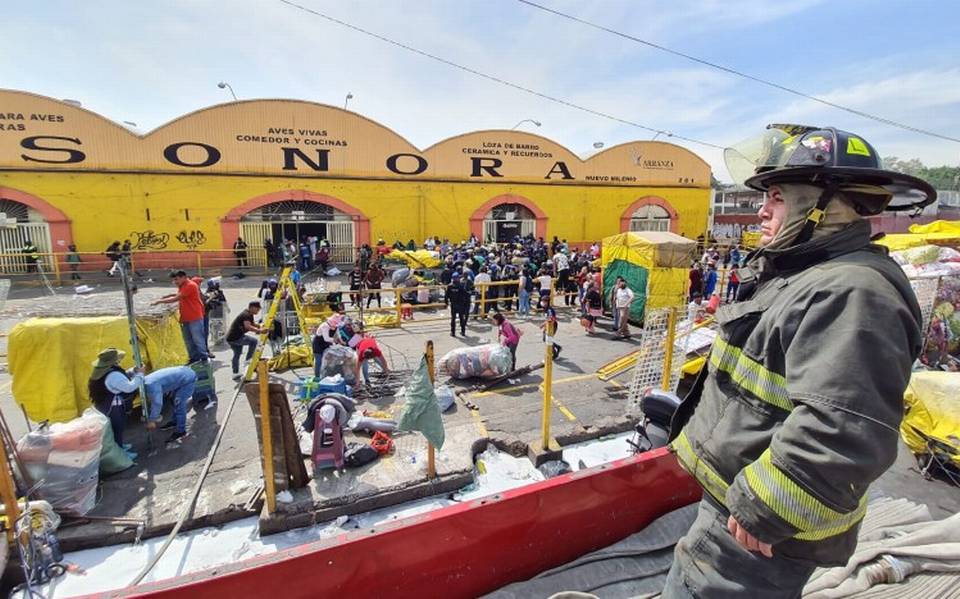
(110, 388)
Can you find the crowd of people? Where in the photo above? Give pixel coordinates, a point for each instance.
(309, 253)
(705, 276)
(526, 275)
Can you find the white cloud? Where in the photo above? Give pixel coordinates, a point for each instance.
(924, 98)
(150, 64)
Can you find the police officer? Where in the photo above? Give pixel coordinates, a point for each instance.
(458, 298)
(798, 409)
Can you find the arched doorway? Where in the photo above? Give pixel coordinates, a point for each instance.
(297, 219)
(19, 223)
(296, 214)
(507, 221)
(504, 217)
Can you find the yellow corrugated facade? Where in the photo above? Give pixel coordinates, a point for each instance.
(360, 165)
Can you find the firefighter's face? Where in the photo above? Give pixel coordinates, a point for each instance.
(772, 214)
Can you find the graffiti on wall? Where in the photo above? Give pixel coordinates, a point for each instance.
(192, 239)
(149, 240)
(731, 230)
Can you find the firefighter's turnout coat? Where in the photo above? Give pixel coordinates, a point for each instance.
(799, 409)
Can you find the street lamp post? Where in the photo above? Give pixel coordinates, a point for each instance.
(347, 99)
(225, 85)
(537, 123)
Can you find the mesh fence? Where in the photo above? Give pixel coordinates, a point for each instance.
(648, 372)
(926, 292)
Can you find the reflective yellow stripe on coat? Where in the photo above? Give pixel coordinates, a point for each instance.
(782, 495)
(750, 374)
(791, 502)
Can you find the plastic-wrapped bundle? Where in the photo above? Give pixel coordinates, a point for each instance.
(66, 456)
(445, 397)
(399, 276)
(112, 457)
(339, 359)
(482, 361)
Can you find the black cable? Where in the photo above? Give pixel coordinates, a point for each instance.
(733, 71)
(498, 79)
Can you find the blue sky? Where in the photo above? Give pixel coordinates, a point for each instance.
(150, 62)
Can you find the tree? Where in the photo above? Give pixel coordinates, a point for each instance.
(941, 177)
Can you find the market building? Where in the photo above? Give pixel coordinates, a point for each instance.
(272, 169)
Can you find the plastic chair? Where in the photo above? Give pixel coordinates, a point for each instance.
(328, 445)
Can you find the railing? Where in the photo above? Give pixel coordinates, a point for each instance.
(58, 266)
(403, 310)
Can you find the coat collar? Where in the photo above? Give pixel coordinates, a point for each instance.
(763, 265)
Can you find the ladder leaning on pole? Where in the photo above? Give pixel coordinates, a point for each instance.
(284, 284)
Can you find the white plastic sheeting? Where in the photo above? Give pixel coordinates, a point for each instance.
(106, 568)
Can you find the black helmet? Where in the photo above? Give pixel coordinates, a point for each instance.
(830, 158)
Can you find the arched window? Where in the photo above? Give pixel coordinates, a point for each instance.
(650, 218)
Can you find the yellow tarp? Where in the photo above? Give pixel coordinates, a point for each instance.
(384, 320)
(668, 288)
(903, 241)
(939, 232)
(50, 358)
(933, 408)
(665, 256)
(295, 356)
(938, 226)
(649, 249)
(416, 258)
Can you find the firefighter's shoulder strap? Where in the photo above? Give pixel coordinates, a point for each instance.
(686, 408)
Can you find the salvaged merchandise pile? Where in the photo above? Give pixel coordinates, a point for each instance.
(928, 261)
(332, 407)
(65, 460)
(52, 349)
(482, 361)
(931, 424)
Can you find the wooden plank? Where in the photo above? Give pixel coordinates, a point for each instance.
(290, 472)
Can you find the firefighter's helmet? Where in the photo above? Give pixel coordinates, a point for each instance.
(826, 157)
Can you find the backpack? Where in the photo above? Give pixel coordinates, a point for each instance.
(528, 283)
(358, 455)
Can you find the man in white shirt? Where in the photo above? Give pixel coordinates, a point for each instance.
(562, 264)
(324, 338)
(478, 281)
(546, 281)
(623, 297)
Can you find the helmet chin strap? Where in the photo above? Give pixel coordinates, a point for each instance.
(816, 214)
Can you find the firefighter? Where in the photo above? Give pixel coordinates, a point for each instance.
(798, 409)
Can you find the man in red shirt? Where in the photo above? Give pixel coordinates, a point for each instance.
(191, 315)
(368, 350)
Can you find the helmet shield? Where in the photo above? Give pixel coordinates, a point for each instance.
(822, 156)
(769, 150)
